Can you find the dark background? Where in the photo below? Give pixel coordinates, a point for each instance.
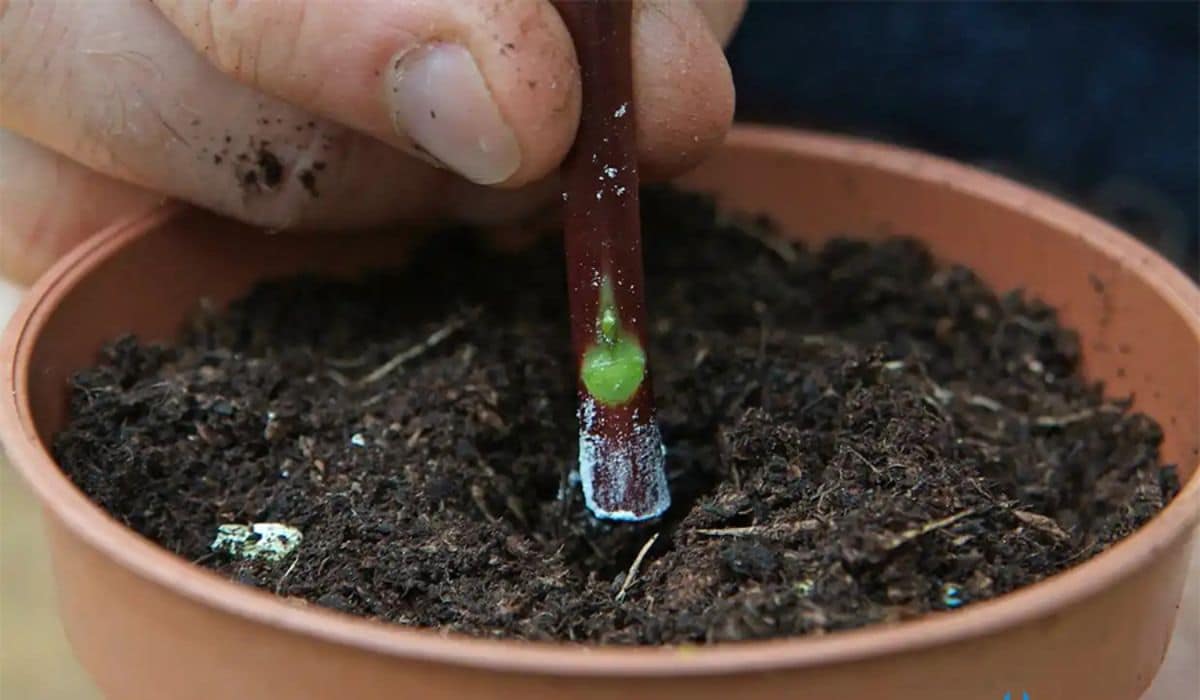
(1096, 102)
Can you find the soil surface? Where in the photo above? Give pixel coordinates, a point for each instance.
(855, 436)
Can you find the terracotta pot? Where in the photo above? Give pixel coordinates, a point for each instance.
(147, 624)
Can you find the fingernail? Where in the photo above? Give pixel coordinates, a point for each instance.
(440, 100)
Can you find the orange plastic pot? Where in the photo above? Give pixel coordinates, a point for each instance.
(147, 624)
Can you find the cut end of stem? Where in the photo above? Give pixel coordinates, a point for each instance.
(622, 464)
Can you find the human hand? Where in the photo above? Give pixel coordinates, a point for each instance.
(320, 114)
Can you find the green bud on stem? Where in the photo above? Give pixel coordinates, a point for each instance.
(613, 368)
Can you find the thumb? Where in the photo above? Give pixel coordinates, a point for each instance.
(487, 89)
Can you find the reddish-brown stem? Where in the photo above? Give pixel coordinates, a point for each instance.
(621, 456)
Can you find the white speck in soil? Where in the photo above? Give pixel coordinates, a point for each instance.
(269, 541)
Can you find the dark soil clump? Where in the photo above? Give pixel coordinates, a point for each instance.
(855, 435)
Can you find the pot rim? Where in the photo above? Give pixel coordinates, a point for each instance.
(143, 558)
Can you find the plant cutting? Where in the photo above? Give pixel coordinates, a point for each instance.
(743, 386)
(621, 455)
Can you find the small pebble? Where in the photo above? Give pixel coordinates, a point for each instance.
(268, 541)
(952, 596)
